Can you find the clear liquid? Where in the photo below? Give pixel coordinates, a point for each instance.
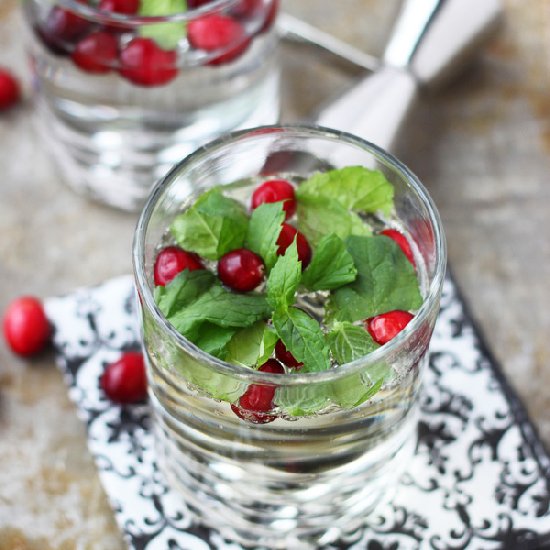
(297, 482)
(113, 140)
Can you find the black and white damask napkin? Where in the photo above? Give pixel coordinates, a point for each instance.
(480, 478)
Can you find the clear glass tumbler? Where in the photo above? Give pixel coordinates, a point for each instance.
(302, 481)
(123, 97)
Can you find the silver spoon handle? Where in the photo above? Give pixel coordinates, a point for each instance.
(430, 39)
(297, 31)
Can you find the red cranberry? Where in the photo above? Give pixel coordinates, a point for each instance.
(275, 191)
(171, 261)
(144, 63)
(124, 381)
(241, 270)
(284, 356)
(194, 4)
(246, 8)
(271, 15)
(126, 7)
(386, 326)
(10, 91)
(258, 398)
(96, 53)
(26, 328)
(63, 27)
(286, 237)
(402, 241)
(217, 32)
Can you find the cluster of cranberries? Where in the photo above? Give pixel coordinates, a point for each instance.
(100, 49)
(27, 332)
(241, 270)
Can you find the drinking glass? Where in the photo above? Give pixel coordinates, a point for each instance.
(298, 481)
(121, 98)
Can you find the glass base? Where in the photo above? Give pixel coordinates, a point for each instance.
(257, 504)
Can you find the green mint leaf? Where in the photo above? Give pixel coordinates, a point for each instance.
(356, 389)
(166, 35)
(263, 231)
(354, 187)
(331, 266)
(284, 279)
(349, 342)
(385, 281)
(303, 400)
(252, 346)
(302, 336)
(347, 392)
(214, 339)
(213, 226)
(320, 216)
(217, 385)
(222, 308)
(186, 287)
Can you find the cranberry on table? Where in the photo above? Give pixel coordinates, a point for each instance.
(10, 91)
(125, 381)
(257, 400)
(126, 7)
(26, 328)
(286, 238)
(144, 63)
(387, 326)
(241, 270)
(276, 191)
(217, 32)
(402, 241)
(284, 356)
(96, 53)
(173, 260)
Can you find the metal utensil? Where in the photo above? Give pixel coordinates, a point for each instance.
(430, 41)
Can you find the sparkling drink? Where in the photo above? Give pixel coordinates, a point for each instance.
(116, 124)
(335, 441)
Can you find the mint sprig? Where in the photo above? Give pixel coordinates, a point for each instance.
(185, 288)
(222, 308)
(166, 35)
(264, 230)
(352, 391)
(252, 346)
(303, 337)
(331, 266)
(214, 339)
(284, 279)
(349, 342)
(354, 187)
(385, 281)
(213, 226)
(320, 216)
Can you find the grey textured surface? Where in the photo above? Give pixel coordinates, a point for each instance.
(482, 147)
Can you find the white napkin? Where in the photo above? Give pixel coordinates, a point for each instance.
(480, 477)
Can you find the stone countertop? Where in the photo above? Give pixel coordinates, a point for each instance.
(481, 146)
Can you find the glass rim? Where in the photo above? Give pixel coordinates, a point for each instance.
(95, 14)
(295, 379)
